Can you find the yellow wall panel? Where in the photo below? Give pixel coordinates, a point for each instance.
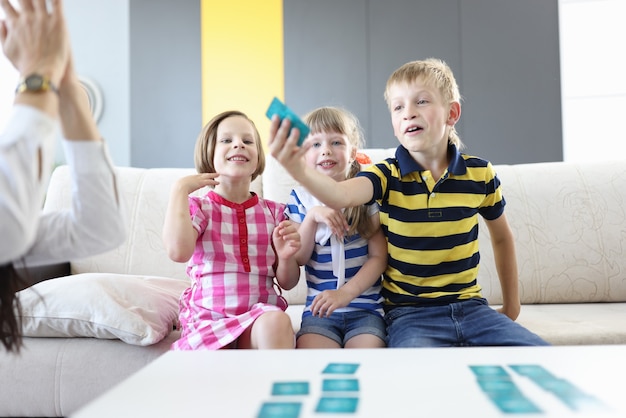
(242, 57)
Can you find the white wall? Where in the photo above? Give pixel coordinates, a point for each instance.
(98, 28)
(593, 80)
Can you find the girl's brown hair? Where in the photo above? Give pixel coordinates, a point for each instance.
(205, 144)
(337, 120)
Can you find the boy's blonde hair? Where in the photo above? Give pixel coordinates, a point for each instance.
(205, 144)
(437, 74)
(330, 119)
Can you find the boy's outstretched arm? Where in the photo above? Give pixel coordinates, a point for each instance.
(337, 195)
(506, 265)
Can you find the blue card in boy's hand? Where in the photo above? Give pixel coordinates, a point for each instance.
(279, 108)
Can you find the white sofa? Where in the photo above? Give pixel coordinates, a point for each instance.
(570, 226)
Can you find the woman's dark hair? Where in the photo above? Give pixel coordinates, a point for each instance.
(10, 309)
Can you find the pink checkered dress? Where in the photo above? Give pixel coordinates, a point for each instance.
(231, 270)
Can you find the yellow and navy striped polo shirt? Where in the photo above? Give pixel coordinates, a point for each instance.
(432, 226)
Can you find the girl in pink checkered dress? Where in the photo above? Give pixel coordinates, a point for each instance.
(238, 247)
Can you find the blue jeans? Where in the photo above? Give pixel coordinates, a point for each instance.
(459, 324)
(341, 326)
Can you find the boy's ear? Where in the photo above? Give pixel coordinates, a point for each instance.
(455, 113)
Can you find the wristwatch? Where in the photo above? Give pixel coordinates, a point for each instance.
(36, 83)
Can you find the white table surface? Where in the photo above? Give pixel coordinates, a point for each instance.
(426, 382)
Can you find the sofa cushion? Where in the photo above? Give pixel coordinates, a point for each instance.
(568, 221)
(576, 323)
(54, 377)
(139, 310)
(146, 194)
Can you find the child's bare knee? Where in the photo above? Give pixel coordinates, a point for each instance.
(274, 330)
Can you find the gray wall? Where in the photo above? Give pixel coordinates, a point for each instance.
(505, 55)
(165, 82)
(146, 56)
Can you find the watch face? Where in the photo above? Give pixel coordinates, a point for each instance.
(34, 82)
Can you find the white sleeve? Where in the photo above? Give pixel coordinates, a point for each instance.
(23, 180)
(95, 223)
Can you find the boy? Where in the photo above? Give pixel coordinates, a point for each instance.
(430, 196)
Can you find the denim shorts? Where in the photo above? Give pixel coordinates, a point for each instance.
(341, 326)
(468, 323)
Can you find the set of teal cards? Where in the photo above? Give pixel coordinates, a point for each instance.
(340, 394)
(277, 107)
(499, 386)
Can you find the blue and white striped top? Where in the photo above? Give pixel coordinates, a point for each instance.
(319, 270)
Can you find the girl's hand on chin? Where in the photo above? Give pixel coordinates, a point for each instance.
(197, 181)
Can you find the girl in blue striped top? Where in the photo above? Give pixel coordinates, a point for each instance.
(344, 251)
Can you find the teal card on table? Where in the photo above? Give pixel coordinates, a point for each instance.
(340, 385)
(341, 368)
(489, 372)
(290, 388)
(516, 405)
(498, 387)
(337, 405)
(532, 371)
(280, 410)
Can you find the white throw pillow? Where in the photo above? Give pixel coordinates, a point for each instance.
(139, 310)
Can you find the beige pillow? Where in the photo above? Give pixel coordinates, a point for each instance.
(139, 310)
